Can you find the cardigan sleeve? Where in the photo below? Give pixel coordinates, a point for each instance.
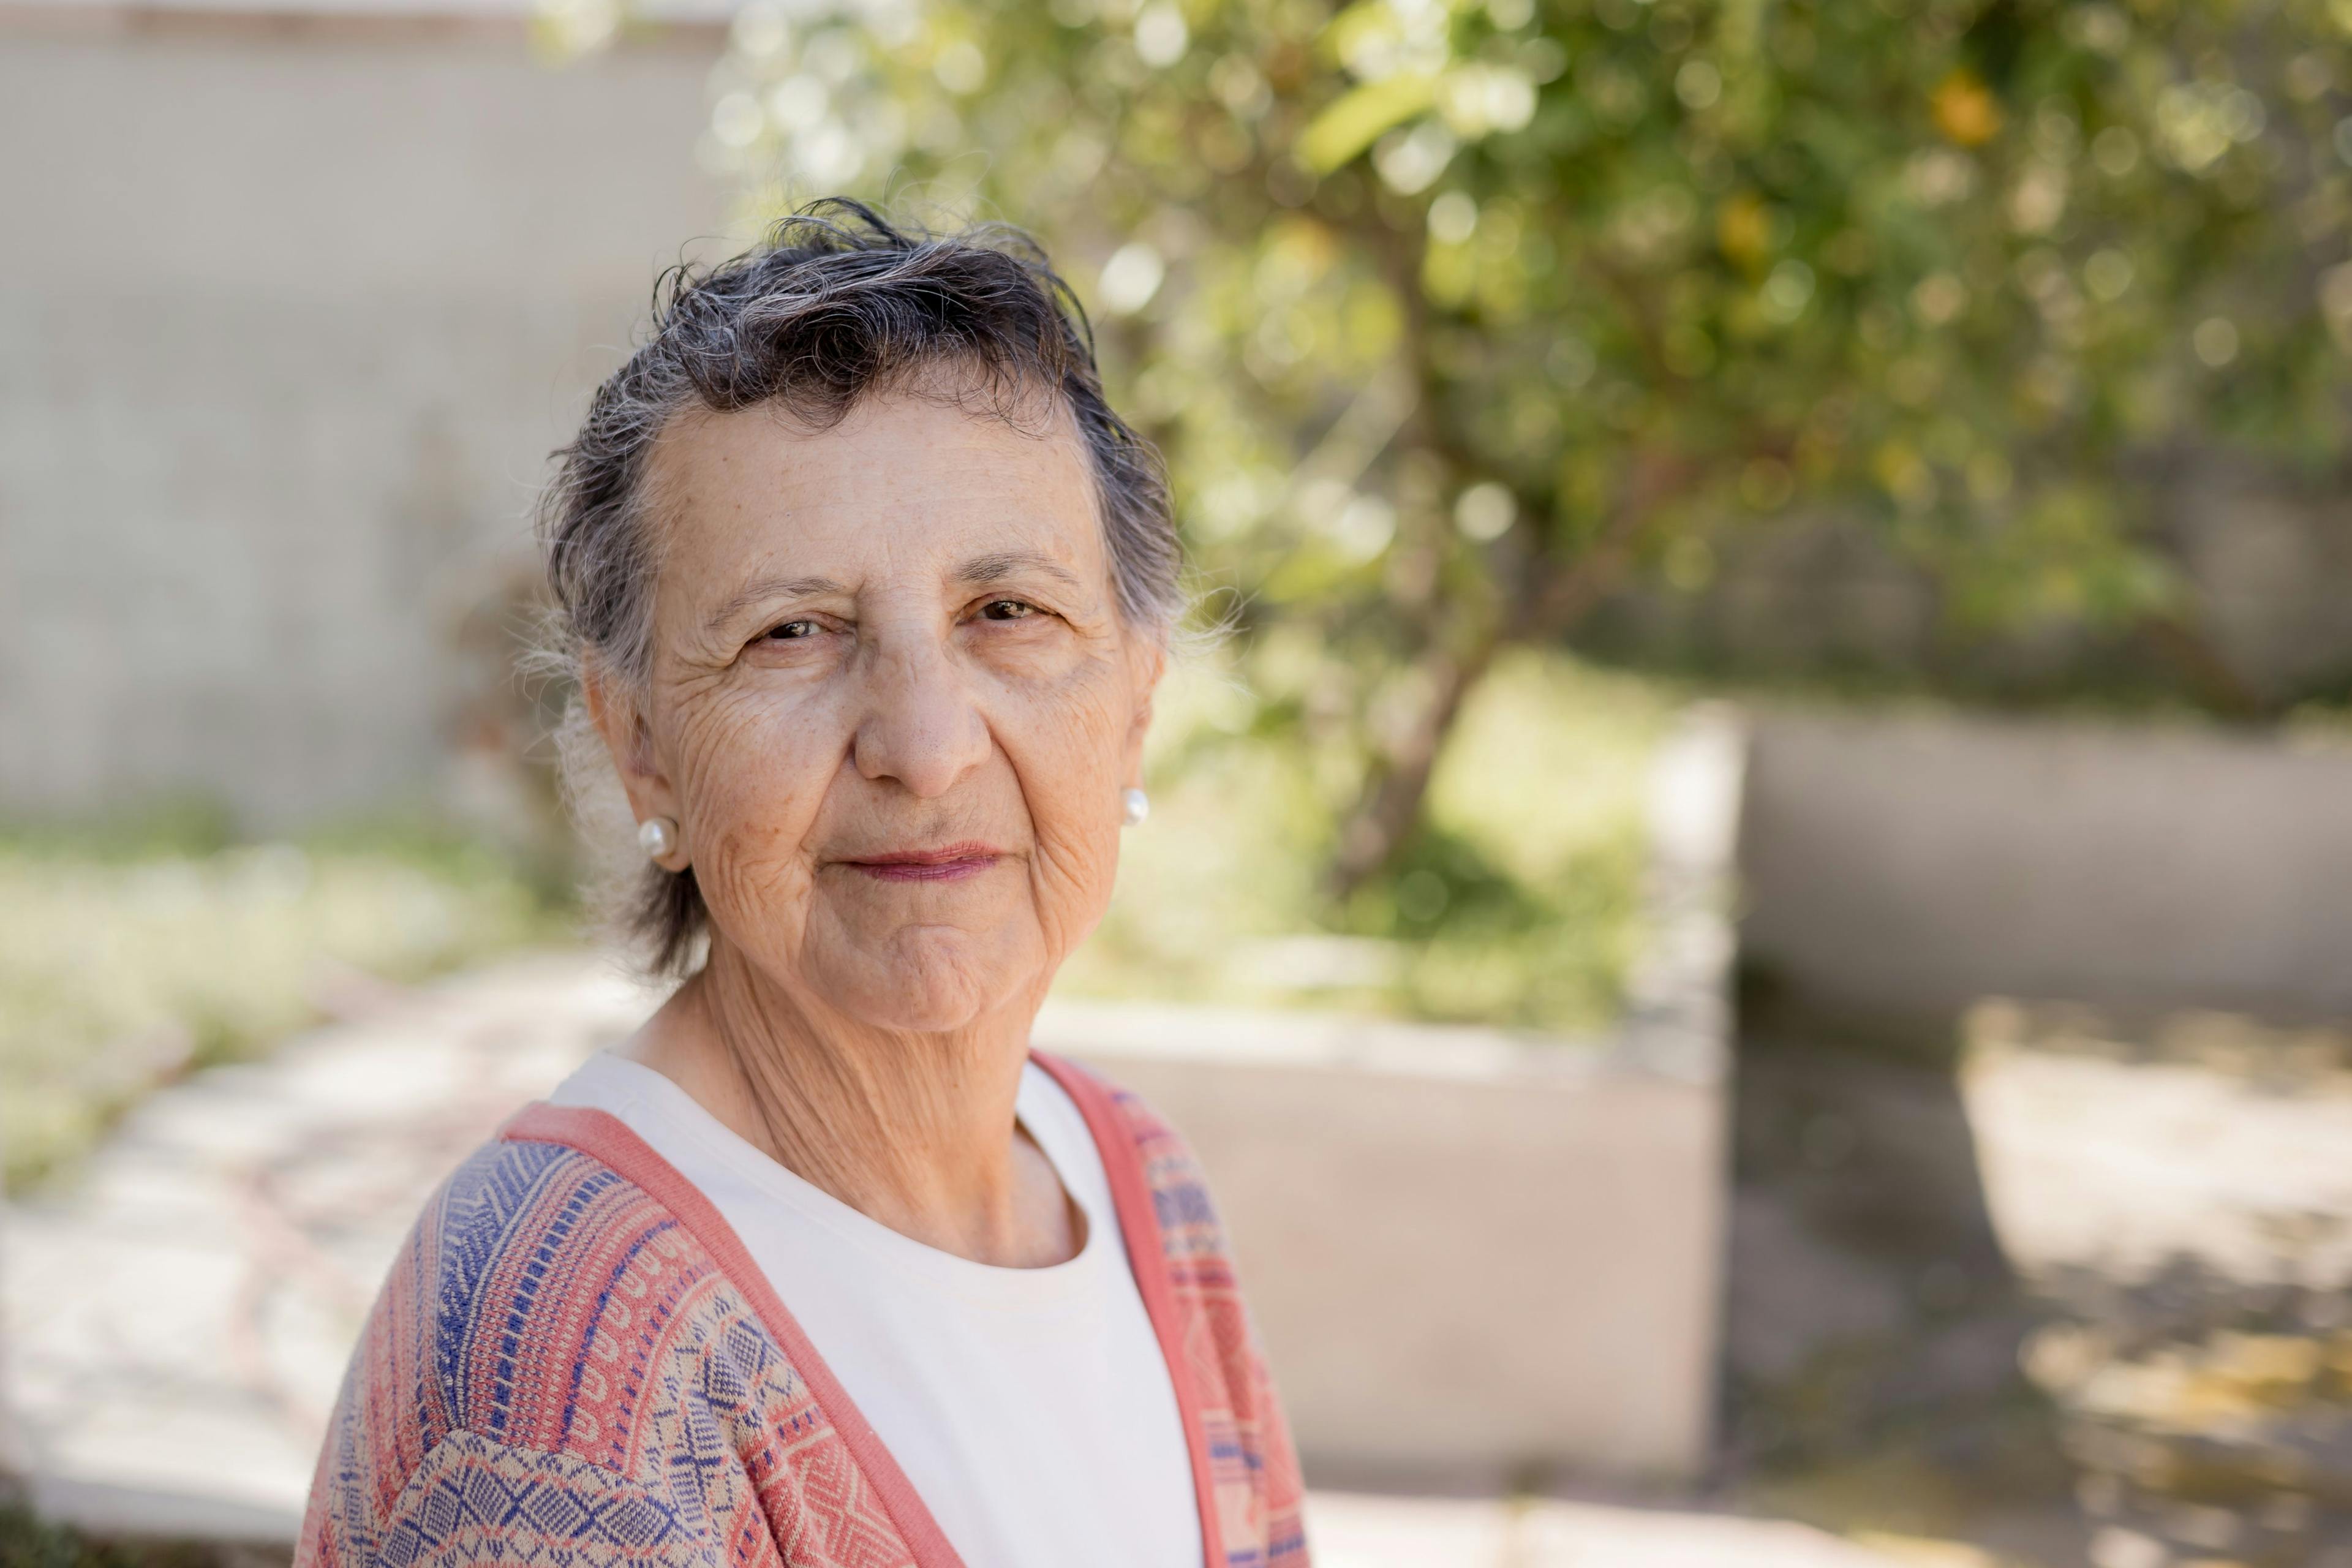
(476, 1501)
(425, 1467)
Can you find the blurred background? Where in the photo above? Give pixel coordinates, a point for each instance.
(1779, 793)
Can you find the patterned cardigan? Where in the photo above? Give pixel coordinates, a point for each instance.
(574, 1363)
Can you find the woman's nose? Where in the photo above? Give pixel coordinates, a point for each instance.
(922, 724)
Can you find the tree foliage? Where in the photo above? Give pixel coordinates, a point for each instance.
(1449, 315)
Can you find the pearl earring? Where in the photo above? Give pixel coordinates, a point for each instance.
(657, 836)
(1135, 806)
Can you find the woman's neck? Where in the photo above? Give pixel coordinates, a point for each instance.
(917, 1132)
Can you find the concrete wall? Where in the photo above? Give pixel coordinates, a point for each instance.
(1460, 1271)
(1920, 862)
(1477, 1257)
(289, 319)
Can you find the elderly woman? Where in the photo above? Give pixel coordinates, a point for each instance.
(868, 591)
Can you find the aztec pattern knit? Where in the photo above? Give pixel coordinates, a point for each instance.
(575, 1364)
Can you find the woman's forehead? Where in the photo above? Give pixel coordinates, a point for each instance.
(901, 483)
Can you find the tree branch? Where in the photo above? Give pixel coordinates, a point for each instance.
(1546, 606)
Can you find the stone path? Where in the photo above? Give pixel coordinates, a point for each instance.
(2204, 1139)
(176, 1323)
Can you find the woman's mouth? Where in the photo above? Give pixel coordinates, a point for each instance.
(944, 864)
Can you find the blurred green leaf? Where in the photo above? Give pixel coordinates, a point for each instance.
(1341, 132)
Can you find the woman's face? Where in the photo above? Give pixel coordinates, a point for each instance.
(892, 702)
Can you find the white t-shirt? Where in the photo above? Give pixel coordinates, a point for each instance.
(1031, 1408)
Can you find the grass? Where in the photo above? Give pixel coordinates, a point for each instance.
(27, 1541)
(131, 955)
(1518, 903)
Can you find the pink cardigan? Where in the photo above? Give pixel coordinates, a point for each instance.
(574, 1363)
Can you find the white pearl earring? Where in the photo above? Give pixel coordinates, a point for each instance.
(657, 836)
(1135, 806)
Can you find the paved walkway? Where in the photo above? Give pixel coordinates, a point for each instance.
(176, 1324)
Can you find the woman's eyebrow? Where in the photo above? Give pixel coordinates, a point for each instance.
(997, 566)
(764, 588)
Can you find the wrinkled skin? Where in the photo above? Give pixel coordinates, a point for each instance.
(898, 634)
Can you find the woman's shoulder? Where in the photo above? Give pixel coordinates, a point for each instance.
(551, 1329)
(546, 1303)
(1116, 1112)
(1127, 1127)
(1255, 1465)
(535, 1286)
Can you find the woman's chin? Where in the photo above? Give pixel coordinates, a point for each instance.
(929, 980)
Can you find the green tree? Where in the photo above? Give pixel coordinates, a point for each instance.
(1451, 316)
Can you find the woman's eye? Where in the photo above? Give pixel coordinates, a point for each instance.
(1008, 610)
(792, 630)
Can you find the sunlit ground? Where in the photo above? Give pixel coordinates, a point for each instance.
(2070, 1285)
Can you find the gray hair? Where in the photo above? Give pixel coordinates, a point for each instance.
(837, 304)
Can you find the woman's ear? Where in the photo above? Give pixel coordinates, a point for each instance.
(613, 709)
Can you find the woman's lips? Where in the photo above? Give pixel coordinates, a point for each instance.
(944, 864)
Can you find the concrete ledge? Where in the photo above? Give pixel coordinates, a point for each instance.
(1477, 1255)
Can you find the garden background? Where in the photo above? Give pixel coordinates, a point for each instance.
(1956, 388)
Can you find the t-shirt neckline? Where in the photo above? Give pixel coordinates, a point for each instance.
(1039, 1286)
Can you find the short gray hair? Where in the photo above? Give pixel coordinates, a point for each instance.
(838, 304)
